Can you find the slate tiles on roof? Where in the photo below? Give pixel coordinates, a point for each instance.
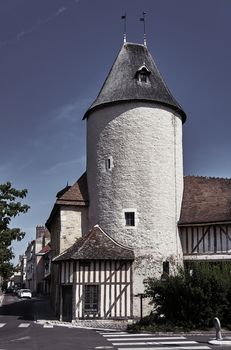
(96, 245)
(121, 83)
(206, 200)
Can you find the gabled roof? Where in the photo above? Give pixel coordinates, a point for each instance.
(121, 83)
(76, 195)
(206, 200)
(96, 245)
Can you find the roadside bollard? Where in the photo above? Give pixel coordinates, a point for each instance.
(217, 326)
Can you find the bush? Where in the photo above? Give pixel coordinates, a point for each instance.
(193, 297)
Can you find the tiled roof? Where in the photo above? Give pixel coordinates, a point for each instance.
(121, 83)
(206, 200)
(96, 245)
(76, 194)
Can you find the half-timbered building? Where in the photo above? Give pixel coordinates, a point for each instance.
(96, 278)
(205, 222)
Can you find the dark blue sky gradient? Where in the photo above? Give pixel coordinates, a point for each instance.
(54, 57)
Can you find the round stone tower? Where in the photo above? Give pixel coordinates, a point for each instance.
(134, 164)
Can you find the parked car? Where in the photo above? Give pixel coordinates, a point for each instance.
(25, 293)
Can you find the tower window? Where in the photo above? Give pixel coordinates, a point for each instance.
(109, 164)
(166, 268)
(129, 218)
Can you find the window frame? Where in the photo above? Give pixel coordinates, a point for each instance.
(92, 310)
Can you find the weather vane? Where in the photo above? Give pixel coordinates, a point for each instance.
(124, 17)
(142, 19)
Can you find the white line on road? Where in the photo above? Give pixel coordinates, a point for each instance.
(2, 325)
(157, 343)
(24, 325)
(199, 347)
(136, 335)
(147, 338)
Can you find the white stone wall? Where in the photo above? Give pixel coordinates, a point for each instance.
(144, 144)
(73, 225)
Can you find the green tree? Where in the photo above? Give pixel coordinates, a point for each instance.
(10, 207)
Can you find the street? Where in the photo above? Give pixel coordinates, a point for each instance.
(19, 331)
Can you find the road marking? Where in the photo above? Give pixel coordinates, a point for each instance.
(2, 325)
(137, 339)
(199, 347)
(106, 333)
(133, 335)
(18, 339)
(157, 343)
(24, 325)
(102, 347)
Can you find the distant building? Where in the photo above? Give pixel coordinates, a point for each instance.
(35, 263)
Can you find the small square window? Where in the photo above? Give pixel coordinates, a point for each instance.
(129, 218)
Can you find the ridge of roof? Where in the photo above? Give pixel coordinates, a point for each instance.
(208, 177)
(121, 84)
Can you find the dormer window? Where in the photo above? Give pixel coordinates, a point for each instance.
(142, 74)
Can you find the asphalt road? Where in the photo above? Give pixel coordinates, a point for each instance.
(18, 331)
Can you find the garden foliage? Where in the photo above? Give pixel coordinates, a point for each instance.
(193, 297)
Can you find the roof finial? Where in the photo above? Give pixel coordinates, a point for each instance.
(142, 19)
(124, 17)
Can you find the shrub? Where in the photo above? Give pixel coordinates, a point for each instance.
(193, 297)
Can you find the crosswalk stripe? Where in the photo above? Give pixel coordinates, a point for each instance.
(157, 343)
(2, 325)
(24, 325)
(134, 335)
(199, 347)
(142, 338)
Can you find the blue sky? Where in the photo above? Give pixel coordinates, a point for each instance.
(54, 57)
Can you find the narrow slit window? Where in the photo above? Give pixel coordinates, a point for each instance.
(129, 218)
(166, 268)
(109, 164)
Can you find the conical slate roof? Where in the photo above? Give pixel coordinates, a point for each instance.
(122, 84)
